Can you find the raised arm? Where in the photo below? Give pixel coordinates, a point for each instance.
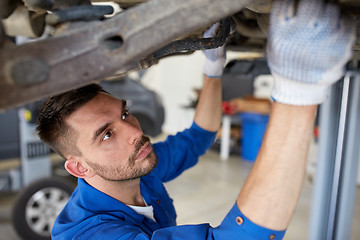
(308, 47)
(208, 111)
(272, 189)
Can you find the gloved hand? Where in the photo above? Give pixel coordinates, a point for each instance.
(214, 58)
(307, 49)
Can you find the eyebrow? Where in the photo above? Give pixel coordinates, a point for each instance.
(101, 129)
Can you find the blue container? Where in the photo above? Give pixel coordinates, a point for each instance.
(253, 130)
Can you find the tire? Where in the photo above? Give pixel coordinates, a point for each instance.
(37, 206)
(147, 125)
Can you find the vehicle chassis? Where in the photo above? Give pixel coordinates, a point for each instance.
(91, 51)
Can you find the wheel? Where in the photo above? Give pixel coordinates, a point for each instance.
(37, 206)
(146, 124)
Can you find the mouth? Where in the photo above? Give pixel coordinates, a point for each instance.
(144, 151)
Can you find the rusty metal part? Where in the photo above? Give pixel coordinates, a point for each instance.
(22, 22)
(44, 5)
(85, 55)
(263, 21)
(7, 7)
(246, 30)
(27, 71)
(196, 44)
(49, 5)
(125, 4)
(263, 6)
(78, 13)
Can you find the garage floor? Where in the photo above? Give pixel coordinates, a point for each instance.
(205, 193)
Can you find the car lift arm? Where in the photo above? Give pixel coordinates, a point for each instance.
(338, 158)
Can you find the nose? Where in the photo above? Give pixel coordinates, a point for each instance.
(134, 132)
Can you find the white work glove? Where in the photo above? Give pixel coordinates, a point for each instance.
(307, 49)
(214, 58)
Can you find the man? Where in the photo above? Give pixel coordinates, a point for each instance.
(120, 193)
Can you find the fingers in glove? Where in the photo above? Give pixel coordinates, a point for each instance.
(286, 10)
(211, 32)
(214, 58)
(283, 10)
(331, 17)
(310, 9)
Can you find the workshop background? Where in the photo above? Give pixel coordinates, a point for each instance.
(206, 192)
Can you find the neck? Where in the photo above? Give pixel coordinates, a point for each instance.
(127, 192)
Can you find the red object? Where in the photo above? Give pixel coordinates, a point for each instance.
(226, 108)
(316, 132)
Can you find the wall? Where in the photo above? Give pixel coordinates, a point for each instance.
(174, 79)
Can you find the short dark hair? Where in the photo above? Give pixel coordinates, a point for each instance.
(52, 128)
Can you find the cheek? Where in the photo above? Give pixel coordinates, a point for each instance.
(113, 152)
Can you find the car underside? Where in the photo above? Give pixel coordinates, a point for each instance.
(76, 42)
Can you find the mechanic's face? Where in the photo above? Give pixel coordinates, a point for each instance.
(111, 140)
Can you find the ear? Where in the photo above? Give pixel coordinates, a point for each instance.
(77, 169)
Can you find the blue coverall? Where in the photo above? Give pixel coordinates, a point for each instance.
(91, 214)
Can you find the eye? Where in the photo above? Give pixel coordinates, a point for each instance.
(125, 114)
(107, 135)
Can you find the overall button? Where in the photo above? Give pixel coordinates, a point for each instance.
(239, 220)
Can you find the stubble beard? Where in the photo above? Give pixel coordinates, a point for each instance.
(131, 172)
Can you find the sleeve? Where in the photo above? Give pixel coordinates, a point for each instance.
(180, 152)
(234, 226)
